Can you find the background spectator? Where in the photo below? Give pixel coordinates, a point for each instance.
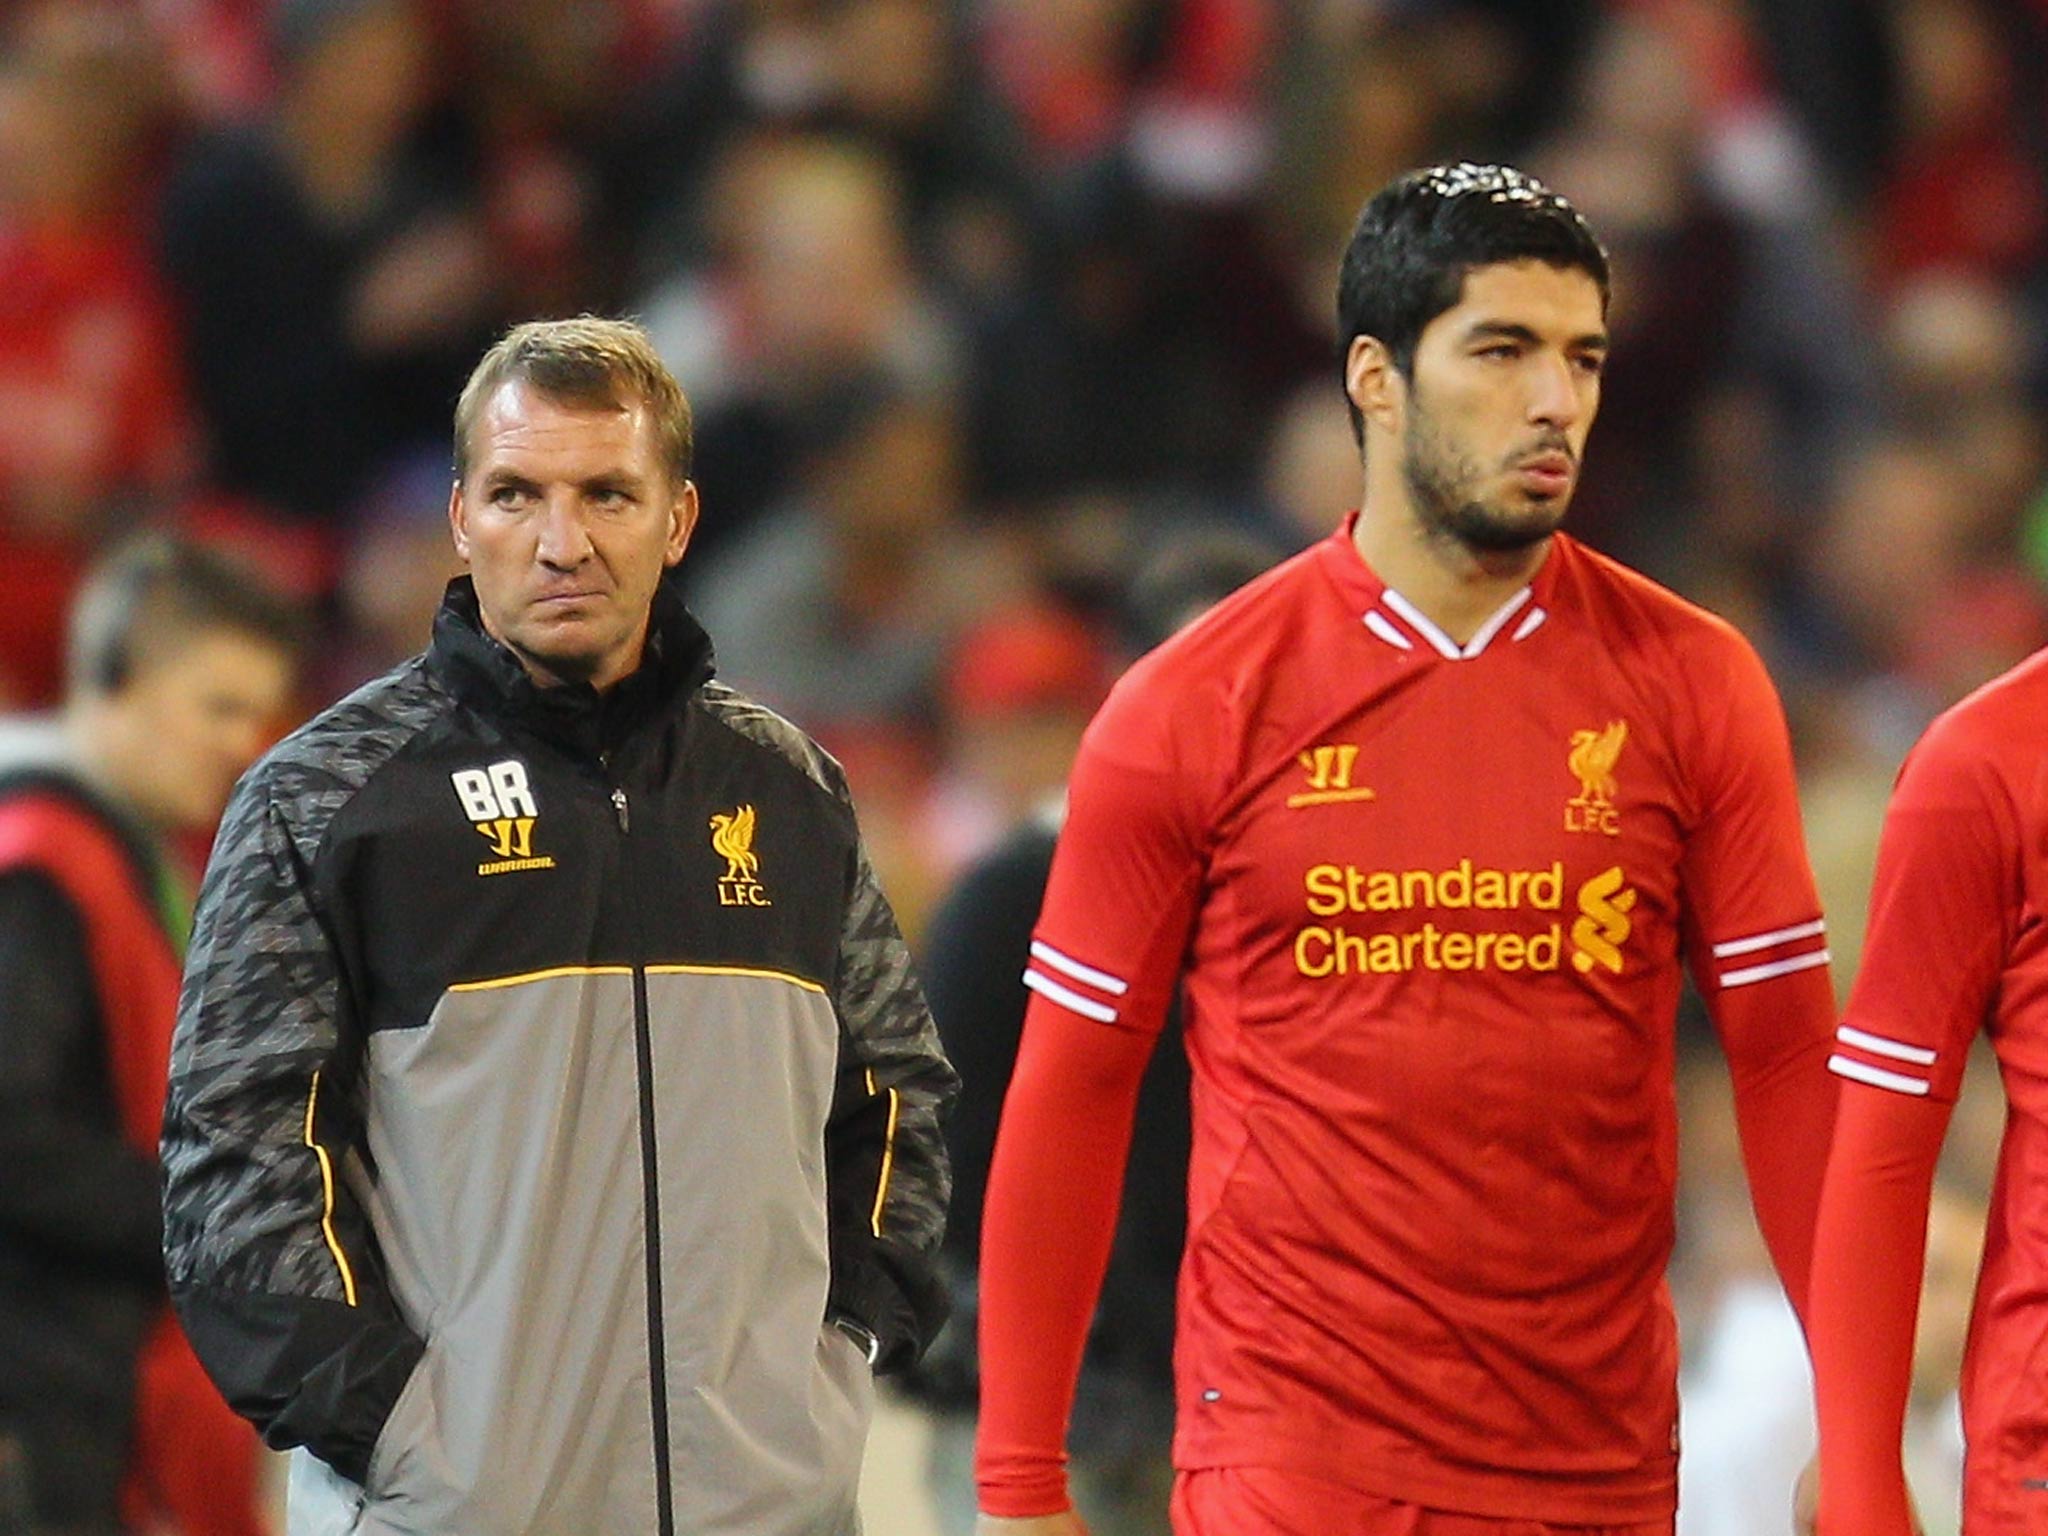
(985, 302)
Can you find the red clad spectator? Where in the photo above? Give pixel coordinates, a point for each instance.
(216, 53)
(92, 413)
(1964, 193)
(1073, 74)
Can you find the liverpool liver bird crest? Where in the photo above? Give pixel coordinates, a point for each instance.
(732, 838)
(1592, 761)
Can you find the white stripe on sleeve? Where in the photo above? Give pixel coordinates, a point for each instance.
(1877, 1077)
(1755, 973)
(1101, 980)
(1768, 940)
(1066, 997)
(1878, 1045)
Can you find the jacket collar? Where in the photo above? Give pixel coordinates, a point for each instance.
(486, 675)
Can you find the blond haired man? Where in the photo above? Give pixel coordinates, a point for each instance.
(536, 1162)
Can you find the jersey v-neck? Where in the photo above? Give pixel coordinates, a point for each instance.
(1396, 621)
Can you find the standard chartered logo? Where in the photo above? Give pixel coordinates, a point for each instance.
(1492, 931)
(1605, 902)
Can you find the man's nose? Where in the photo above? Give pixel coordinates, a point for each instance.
(564, 538)
(1554, 400)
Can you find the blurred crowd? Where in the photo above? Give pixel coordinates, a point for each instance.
(985, 304)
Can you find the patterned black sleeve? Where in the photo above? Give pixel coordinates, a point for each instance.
(271, 1263)
(886, 1147)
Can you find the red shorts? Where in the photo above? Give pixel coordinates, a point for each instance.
(1257, 1501)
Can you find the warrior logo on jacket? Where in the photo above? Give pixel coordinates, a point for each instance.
(499, 801)
(732, 839)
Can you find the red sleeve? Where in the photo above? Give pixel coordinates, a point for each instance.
(1103, 965)
(1758, 953)
(1940, 921)
(1871, 1244)
(1943, 907)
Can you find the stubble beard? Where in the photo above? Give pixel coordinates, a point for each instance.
(549, 657)
(1441, 483)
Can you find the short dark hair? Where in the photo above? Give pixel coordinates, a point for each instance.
(157, 591)
(1422, 234)
(588, 361)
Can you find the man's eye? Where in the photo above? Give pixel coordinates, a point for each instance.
(507, 496)
(1592, 363)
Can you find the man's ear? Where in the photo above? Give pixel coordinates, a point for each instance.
(458, 522)
(1374, 384)
(682, 522)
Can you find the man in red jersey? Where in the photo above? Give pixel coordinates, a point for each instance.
(1956, 945)
(1422, 823)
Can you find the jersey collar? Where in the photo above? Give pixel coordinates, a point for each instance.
(1394, 621)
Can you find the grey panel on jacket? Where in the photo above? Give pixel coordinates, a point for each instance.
(522, 1263)
(768, 1407)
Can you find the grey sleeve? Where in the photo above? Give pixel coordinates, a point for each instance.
(272, 1265)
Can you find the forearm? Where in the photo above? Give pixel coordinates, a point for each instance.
(1046, 1237)
(1870, 1245)
(1785, 1097)
(890, 1179)
(887, 1186)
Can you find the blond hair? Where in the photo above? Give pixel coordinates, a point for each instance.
(589, 362)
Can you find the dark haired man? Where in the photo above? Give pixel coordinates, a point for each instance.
(180, 668)
(553, 1135)
(1422, 824)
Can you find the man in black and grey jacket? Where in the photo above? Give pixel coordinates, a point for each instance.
(553, 1142)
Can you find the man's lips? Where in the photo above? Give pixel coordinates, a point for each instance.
(1549, 474)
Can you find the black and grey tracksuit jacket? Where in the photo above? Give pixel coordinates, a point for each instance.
(550, 1084)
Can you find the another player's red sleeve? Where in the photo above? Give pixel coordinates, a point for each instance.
(1947, 884)
(1046, 1236)
(1104, 963)
(1869, 1249)
(1758, 952)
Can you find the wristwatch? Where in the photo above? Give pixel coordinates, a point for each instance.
(870, 1346)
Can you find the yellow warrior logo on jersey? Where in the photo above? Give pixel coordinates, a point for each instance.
(1327, 769)
(1591, 761)
(732, 839)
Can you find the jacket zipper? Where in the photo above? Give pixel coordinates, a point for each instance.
(657, 1353)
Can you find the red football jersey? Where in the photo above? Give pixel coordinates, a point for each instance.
(1428, 904)
(1957, 943)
